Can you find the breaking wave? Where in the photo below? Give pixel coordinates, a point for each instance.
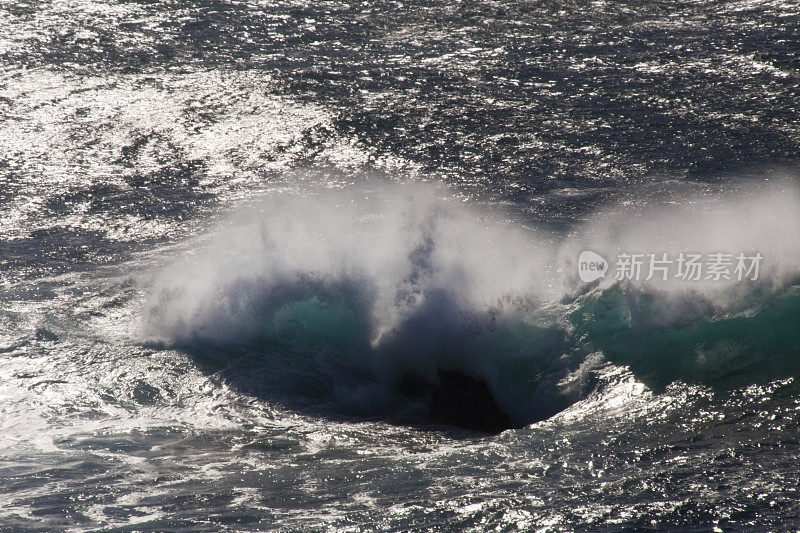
(405, 300)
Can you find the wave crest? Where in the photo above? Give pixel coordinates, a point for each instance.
(372, 297)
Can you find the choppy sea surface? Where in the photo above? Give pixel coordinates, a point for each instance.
(313, 265)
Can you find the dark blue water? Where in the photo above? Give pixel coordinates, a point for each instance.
(313, 265)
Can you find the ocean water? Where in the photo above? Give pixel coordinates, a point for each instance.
(317, 266)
